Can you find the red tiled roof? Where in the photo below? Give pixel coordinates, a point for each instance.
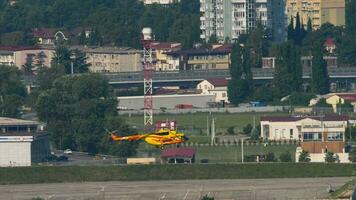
(166, 46)
(297, 118)
(329, 42)
(44, 33)
(178, 152)
(17, 48)
(348, 97)
(218, 82)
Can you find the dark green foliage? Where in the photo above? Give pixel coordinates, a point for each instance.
(309, 26)
(255, 134)
(206, 197)
(288, 73)
(330, 157)
(12, 91)
(239, 87)
(77, 110)
(247, 129)
(304, 156)
(344, 108)
(320, 76)
(350, 9)
(257, 46)
(352, 155)
(65, 58)
(285, 157)
(231, 130)
(300, 98)
(119, 22)
(296, 33)
(270, 157)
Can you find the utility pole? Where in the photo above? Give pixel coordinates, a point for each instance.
(213, 132)
(242, 150)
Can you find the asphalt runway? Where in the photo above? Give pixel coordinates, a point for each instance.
(298, 188)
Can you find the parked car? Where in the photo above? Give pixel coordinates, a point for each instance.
(68, 151)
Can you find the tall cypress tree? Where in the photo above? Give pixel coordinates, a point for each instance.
(238, 87)
(320, 76)
(290, 30)
(298, 32)
(309, 26)
(350, 16)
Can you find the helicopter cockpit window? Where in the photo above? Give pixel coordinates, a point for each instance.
(163, 133)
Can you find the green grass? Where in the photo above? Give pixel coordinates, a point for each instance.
(228, 154)
(31, 175)
(198, 121)
(346, 188)
(233, 153)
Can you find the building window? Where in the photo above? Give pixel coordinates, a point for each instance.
(312, 136)
(335, 136)
(291, 134)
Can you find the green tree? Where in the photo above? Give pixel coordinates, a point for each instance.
(350, 16)
(62, 56)
(330, 157)
(255, 134)
(270, 157)
(290, 30)
(247, 129)
(256, 46)
(288, 72)
(12, 92)
(309, 26)
(304, 156)
(285, 157)
(206, 197)
(239, 87)
(352, 155)
(77, 110)
(79, 62)
(320, 76)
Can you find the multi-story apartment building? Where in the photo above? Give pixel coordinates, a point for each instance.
(200, 59)
(20, 55)
(231, 18)
(160, 58)
(112, 59)
(319, 11)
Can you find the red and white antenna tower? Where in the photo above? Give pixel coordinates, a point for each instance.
(147, 77)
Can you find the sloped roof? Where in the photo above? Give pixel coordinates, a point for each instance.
(348, 97)
(166, 45)
(179, 152)
(298, 118)
(329, 42)
(218, 82)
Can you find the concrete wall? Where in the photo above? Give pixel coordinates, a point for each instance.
(15, 154)
(166, 101)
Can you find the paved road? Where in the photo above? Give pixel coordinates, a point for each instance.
(254, 189)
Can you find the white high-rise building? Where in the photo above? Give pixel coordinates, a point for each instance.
(231, 18)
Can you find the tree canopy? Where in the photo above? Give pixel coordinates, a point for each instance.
(77, 110)
(116, 22)
(12, 91)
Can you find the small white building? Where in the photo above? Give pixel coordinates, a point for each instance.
(293, 127)
(215, 86)
(22, 143)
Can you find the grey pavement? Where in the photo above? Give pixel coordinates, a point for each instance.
(254, 189)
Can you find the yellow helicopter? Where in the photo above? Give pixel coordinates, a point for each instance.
(159, 138)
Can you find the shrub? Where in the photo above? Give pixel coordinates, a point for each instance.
(270, 157)
(285, 157)
(330, 157)
(231, 130)
(304, 156)
(247, 129)
(352, 155)
(206, 197)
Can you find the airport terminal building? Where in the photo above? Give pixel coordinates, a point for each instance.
(22, 143)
